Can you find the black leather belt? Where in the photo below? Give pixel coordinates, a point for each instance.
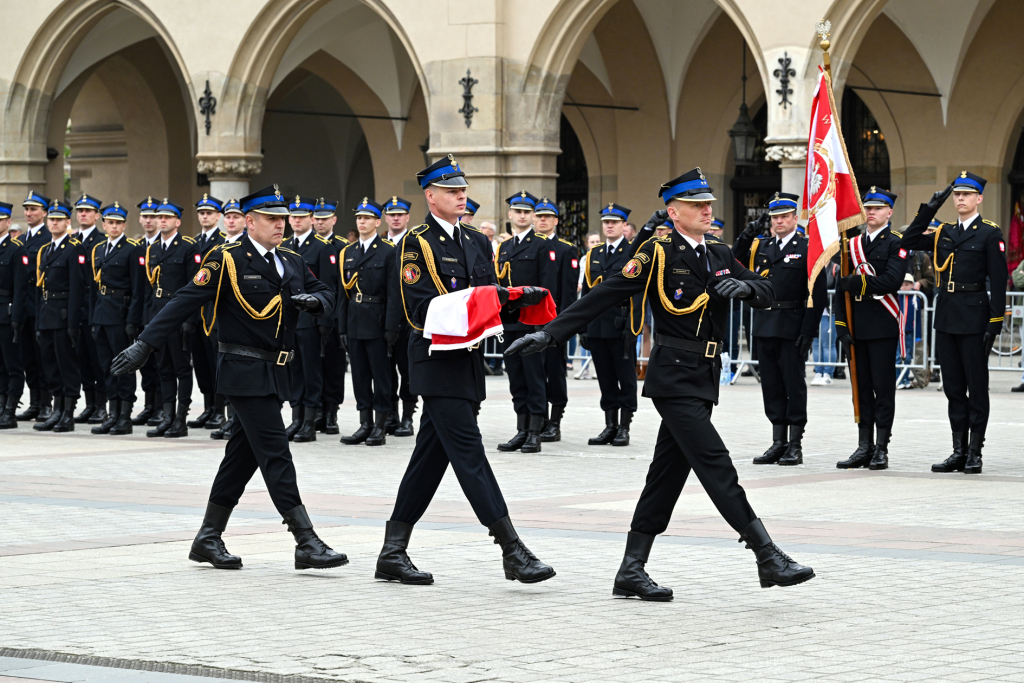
(708, 349)
(54, 295)
(963, 287)
(6, 292)
(107, 291)
(786, 305)
(276, 357)
(361, 298)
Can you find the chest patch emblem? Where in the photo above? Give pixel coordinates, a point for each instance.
(720, 273)
(455, 283)
(198, 259)
(24, 260)
(903, 253)
(632, 268)
(551, 254)
(142, 260)
(333, 259)
(1002, 246)
(81, 259)
(202, 277)
(575, 263)
(678, 294)
(411, 274)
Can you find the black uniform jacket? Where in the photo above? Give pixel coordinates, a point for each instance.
(529, 262)
(89, 242)
(168, 270)
(665, 270)
(119, 280)
(962, 262)
(431, 266)
(871, 320)
(368, 280)
(789, 316)
(322, 260)
(567, 258)
(205, 243)
(61, 274)
(32, 247)
(253, 308)
(15, 302)
(597, 265)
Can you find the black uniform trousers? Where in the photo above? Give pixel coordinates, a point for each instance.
(149, 375)
(31, 358)
(11, 361)
(400, 366)
(258, 441)
(175, 371)
(204, 360)
(335, 363)
(449, 433)
(876, 380)
(555, 387)
(93, 379)
(964, 373)
(526, 378)
(60, 363)
(616, 375)
(371, 374)
(688, 441)
(783, 387)
(110, 341)
(307, 369)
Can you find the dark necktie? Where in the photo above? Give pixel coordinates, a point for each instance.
(457, 238)
(110, 248)
(778, 243)
(273, 264)
(701, 257)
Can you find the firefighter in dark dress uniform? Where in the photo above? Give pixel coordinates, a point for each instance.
(87, 212)
(34, 238)
(15, 301)
(152, 412)
(335, 360)
(258, 289)
(689, 279)
(396, 213)
(784, 332)
(970, 279)
(204, 347)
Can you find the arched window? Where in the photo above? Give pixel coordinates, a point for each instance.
(865, 143)
(573, 185)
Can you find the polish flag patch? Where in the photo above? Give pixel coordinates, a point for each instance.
(333, 261)
(198, 259)
(575, 263)
(903, 253)
(142, 260)
(551, 254)
(81, 259)
(1002, 246)
(24, 259)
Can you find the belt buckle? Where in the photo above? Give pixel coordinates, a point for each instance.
(282, 357)
(711, 350)
(159, 293)
(949, 286)
(46, 295)
(103, 290)
(359, 297)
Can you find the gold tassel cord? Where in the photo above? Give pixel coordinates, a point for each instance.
(401, 284)
(591, 283)
(428, 256)
(41, 276)
(341, 269)
(947, 264)
(216, 301)
(274, 306)
(700, 302)
(96, 274)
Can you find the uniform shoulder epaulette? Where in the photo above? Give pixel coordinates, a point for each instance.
(188, 239)
(988, 222)
(543, 237)
(74, 241)
(662, 239)
(470, 227)
(897, 233)
(339, 238)
(132, 242)
(229, 245)
(712, 240)
(386, 241)
(288, 251)
(323, 239)
(15, 241)
(565, 241)
(419, 229)
(945, 225)
(222, 234)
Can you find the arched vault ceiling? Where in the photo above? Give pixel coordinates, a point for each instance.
(112, 33)
(356, 36)
(590, 57)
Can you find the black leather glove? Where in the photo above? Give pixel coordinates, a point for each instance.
(989, 341)
(16, 327)
(584, 340)
(656, 220)
(306, 302)
(850, 283)
(531, 296)
(734, 289)
(132, 330)
(940, 197)
(845, 340)
(757, 226)
(502, 295)
(343, 342)
(325, 334)
(75, 334)
(132, 358)
(803, 345)
(535, 342)
(390, 336)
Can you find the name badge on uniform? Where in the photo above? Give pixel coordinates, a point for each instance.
(449, 259)
(680, 271)
(252, 277)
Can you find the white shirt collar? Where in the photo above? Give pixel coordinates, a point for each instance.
(86, 232)
(786, 239)
(301, 239)
(263, 254)
(876, 233)
(167, 242)
(56, 243)
(114, 242)
(616, 243)
(365, 244)
(448, 227)
(397, 238)
(235, 238)
(2, 238)
(692, 242)
(967, 222)
(524, 234)
(207, 234)
(32, 232)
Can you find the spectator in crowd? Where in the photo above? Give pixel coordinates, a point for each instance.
(910, 306)
(487, 228)
(352, 236)
(824, 349)
(629, 232)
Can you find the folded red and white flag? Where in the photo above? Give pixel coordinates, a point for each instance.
(462, 319)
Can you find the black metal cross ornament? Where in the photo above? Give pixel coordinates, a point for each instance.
(208, 105)
(784, 74)
(468, 109)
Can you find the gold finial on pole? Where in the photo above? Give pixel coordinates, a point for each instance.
(823, 28)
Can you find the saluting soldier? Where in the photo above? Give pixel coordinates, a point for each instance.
(335, 360)
(396, 213)
(152, 412)
(234, 230)
(523, 262)
(36, 236)
(968, 318)
(471, 209)
(14, 307)
(204, 346)
(688, 278)
(171, 262)
(61, 275)
(364, 325)
(784, 332)
(878, 263)
(439, 257)
(258, 289)
(609, 337)
(312, 333)
(567, 276)
(118, 271)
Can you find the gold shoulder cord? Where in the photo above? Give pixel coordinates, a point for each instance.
(503, 272)
(935, 258)
(274, 306)
(753, 253)
(586, 271)
(700, 302)
(41, 276)
(96, 275)
(153, 277)
(341, 268)
(428, 256)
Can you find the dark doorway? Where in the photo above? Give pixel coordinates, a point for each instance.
(865, 143)
(753, 185)
(572, 188)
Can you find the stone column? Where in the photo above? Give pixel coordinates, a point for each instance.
(229, 176)
(792, 160)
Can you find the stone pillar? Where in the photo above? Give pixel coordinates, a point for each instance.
(792, 160)
(229, 176)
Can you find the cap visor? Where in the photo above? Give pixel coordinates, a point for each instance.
(322, 214)
(779, 212)
(301, 212)
(58, 215)
(965, 188)
(452, 182)
(396, 211)
(272, 210)
(39, 204)
(877, 203)
(702, 197)
(521, 207)
(367, 213)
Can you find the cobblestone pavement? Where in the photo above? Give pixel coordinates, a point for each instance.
(918, 575)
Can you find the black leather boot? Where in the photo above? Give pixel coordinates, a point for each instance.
(517, 560)
(553, 427)
(100, 414)
(321, 420)
(611, 427)
(51, 422)
(179, 425)
(32, 410)
(958, 460)
(307, 432)
(794, 454)
(331, 420)
(208, 545)
(392, 422)
(124, 420)
(67, 416)
(204, 416)
(405, 427)
(147, 409)
(774, 567)
(167, 413)
(310, 551)
(393, 563)
(973, 464)
(217, 418)
(225, 431)
(112, 416)
(89, 409)
(365, 427)
(158, 416)
(296, 422)
(517, 441)
(880, 458)
(865, 450)
(622, 433)
(7, 419)
(780, 440)
(45, 409)
(378, 436)
(632, 581)
(534, 426)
